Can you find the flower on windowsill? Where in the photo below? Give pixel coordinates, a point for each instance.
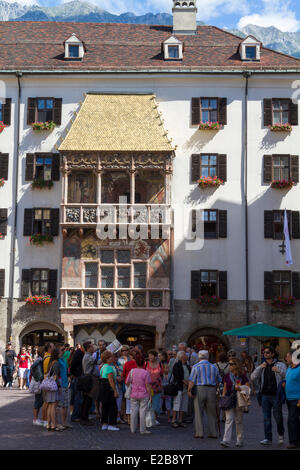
(207, 300)
(39, 299)
(41, 184)
(282, 184)
(39, 239)
(210, 182)
(210, 126)
(1, 236)
(281, 127)
(2, 126)
(43, 126)
(2, 182)
(282, 301)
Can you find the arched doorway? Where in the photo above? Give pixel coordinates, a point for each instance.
(137, 334)
(211, 340)
(38, 334)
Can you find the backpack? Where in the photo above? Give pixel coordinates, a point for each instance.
(37, 371)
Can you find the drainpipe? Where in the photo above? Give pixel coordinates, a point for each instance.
(14, 226)
(246, 75)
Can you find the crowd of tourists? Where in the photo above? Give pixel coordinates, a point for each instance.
(91, 385)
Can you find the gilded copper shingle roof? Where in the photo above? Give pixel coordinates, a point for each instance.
(27, 45)
(117, 122)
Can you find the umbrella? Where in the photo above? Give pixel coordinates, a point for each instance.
(262, 330)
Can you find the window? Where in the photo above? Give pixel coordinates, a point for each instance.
(278, 224)
(91, 275)
(173, 52)
(282, 283)
(107, 277)
(210, 224)
(204, 165)
(42, 221)
(140, 270)
(123, 256)
(209, 110)
(123, 277)
(281, 167)
(43, 168)
(208, 165)
(73, 51)
(40, 282)
(273, 224)
(250, 52)
(208, 285)
(107, 256)
(44, 110)
(173, 49)
(280, 111)
(5, 111)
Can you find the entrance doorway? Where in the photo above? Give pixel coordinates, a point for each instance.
(41, 337)
(136, 334)
(211, 343)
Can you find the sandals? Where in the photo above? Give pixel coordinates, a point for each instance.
(181, 425)
(175, 425)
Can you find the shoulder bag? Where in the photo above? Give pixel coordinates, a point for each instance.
(49, 384)
(129, 387)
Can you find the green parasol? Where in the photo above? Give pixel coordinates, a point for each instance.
(262, 330)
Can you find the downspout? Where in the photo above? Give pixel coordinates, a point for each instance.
(14, 227)
(246, 75)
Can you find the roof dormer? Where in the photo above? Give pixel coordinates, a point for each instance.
(173, 49)
(74, 48)
(250, 49)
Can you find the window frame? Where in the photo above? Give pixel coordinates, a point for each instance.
(40, 98)
(85, 274)
(216, 282)
(78, 51)
(250, 47)
(43, 221)
(280, 110)
(39, 281)
(209, 166)
(209, 109)
(37, 156)
(282, 283)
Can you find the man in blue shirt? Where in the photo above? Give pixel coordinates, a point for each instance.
(292, 391)
(205, 376)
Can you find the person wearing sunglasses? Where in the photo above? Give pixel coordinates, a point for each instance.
(233, 381)
(269, 374)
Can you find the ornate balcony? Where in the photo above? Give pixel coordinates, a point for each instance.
(117, 299)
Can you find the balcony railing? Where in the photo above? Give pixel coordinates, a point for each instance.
(121, 214)
(115, 299)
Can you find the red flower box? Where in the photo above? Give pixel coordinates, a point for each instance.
(210, 182)
(2, 126)
(283, 301)
(281, 128)
(209, 300)
(210, 126)
(39, 299)
(2, 182)
(282, 184)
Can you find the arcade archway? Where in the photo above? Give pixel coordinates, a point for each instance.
(38, 334)
(210, 339)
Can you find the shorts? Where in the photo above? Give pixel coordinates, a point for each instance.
(22, 373)
(38, 401)
(181, 401)
(64, 398)
(168, 402)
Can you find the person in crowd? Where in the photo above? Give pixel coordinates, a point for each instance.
(101, 348)
(78, 346)
(30, 362)
(64, 398)
(139, 349)
(193, 357)
(66, 353)
(162, 357)
(222, 365)
(169, 355)
(119, 383)
(140, 380)
(1, 365)
(108, 393)
(156, 373)
(247, 363)
(23, 366)
(10, 362)
(52, 398)
(46, 360)
(38, 397)
(124, 355)
(268, 375)
(75, 373)
(166, 400)
(35, 353)
(232, 384)
(131, 364)
(89, 368)
(292, 391)
(181, 373)
(206, 377)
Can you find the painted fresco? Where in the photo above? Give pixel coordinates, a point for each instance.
(71, 269)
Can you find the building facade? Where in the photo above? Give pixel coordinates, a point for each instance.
(98, 207)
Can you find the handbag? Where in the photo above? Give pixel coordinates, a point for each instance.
(228, 402)
(34, 387)
(49, 385)
(127, 394)
(150, 416)
(85, 383)
(243, 400)
(171, 389)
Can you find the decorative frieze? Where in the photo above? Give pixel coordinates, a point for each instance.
(73, 215)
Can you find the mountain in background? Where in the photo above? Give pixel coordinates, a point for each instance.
(77, 11)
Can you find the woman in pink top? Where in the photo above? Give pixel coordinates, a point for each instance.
(140, 395)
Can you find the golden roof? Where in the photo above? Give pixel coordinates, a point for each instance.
(117, 122)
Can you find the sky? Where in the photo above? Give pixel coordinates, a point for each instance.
(283, 14)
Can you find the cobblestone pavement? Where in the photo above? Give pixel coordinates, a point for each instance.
(18, 433)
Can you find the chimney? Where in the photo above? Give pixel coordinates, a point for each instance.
(184, 17)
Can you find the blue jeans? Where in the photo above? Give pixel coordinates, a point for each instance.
(269, 402)
(77, 401)
(7, 373)
(156, 402)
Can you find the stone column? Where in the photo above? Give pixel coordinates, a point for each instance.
(132, 186)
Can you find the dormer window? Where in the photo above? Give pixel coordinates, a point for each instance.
(250, 49)
(172, 49)
(74, 48)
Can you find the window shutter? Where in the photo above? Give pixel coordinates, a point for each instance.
(268, 285)
(31, 105)
(30, 167)
(223, 284)
(222, 224)
(268, 118)
(4, 165)
(268, 224)
(293, 113)
(222, 167)
(222, 105)
(57, 103)
(26, 280)
(195, 111)
(3, 221)
(295, 224)
(296, 285)
(52, 282)
(195, 284)
(268, 168)
(294, 168)
(28, 218)
(54, 222)
(2, 282)
(55, 174)
(7, 112)
(195, 167)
